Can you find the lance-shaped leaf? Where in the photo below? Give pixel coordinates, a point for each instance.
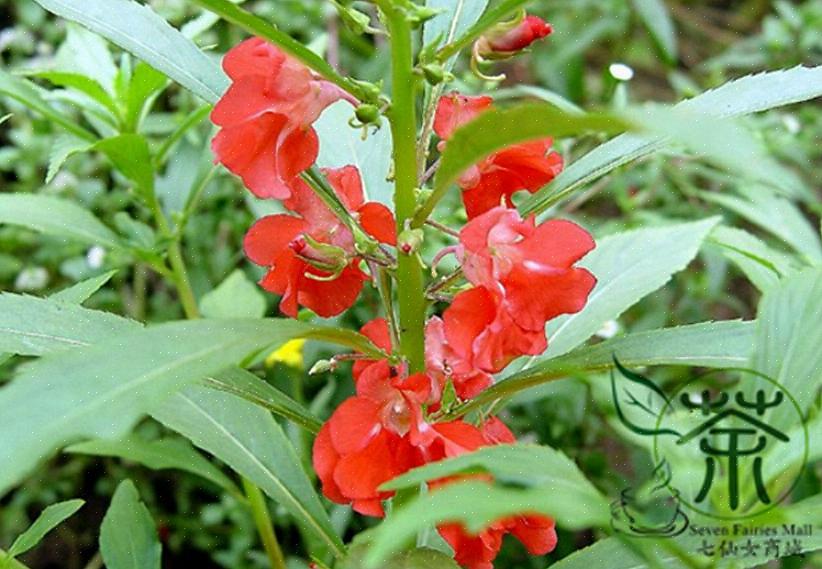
(128, 536)
(100, 391)
(247, 438)
(48, 519)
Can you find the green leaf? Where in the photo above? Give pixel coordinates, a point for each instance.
(248, 439)
(628, 266)
(85, 53)
(236, 297)
(762, 265)
(751, 94)
(500, 128)
(761, 208)
(139, 30)
(788, 340)
(34, 326)
(707, 344)
(30, 95)
(477, 505)
(64, 146)
(48, 519)
(253, 389)
(101, 391)
(160, 454)
(145, 84)
(81, 83)
(456, 18)
(82, 291)
(55, 216)
(128, 536)
(720, 141)
(341, 145)
(130, 155)
(415, 559)
(657, 19)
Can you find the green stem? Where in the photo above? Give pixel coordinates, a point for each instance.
(403, 120)
(264, 526)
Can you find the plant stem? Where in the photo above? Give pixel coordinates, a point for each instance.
(264, 526)
(403, 119)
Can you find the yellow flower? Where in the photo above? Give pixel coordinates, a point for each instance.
(290, 353)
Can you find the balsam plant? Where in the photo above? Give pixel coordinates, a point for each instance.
(468, 315)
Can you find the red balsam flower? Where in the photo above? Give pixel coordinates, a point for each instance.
(496, 178)
(266, 116)
(311, 257)
(507, 40)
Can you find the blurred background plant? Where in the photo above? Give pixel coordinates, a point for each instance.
(607, 53)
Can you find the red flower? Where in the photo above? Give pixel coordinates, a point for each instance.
(532, 266)
(311, 258)
(480, 330)
(507, 40)
(266, 116)
(478, 551)
(372, 438)
(443, 362)
(496, 178)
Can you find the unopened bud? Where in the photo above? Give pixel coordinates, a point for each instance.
(356, 21)
(368, 114)
(434, 73)
(322, 366)
(410, 241)
(508, 38)
(418, 15)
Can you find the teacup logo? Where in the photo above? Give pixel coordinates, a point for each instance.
(730, 438)
(653, 510)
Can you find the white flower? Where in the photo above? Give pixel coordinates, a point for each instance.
(621, 72)
(95, 257)
(609, 329)
(31, 279)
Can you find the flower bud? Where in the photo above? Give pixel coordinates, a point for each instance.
(410, 241)
(434, 73)
(323, 256)
(356, 21)
(506, 39)
(368, 114)
(322, 366)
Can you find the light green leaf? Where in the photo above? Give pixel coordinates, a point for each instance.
(751, 94)
(762, 265)
(64, 146)
(82, 291)
(139, 30)
(48, 519)
(236, 297)
(762, 208)
(31, 96)
(456, 17)
(81, 83)
(145, 84)
(500, 128)
(477, 505)
(55, 216)
(248, 386)
(707, 344)
(160, 454)
(34, 326)
(414, 559)
(128, 536)
(341, 145)
(788, 340)
(657, 19)
(720, 141)
(101, 391)
(628, 266)
(130, 155)
(85, 53)
(248, 439)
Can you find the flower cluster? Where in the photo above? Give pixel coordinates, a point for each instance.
(519, 275)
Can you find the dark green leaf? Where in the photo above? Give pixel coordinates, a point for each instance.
(130, 155)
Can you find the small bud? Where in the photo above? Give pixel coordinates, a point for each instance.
(372, 90)
(368, 114)
(323, 256)
(356, 21)
(322, 366)
(434, 73)
(410, 241)
(508, 38)
(417, 15)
